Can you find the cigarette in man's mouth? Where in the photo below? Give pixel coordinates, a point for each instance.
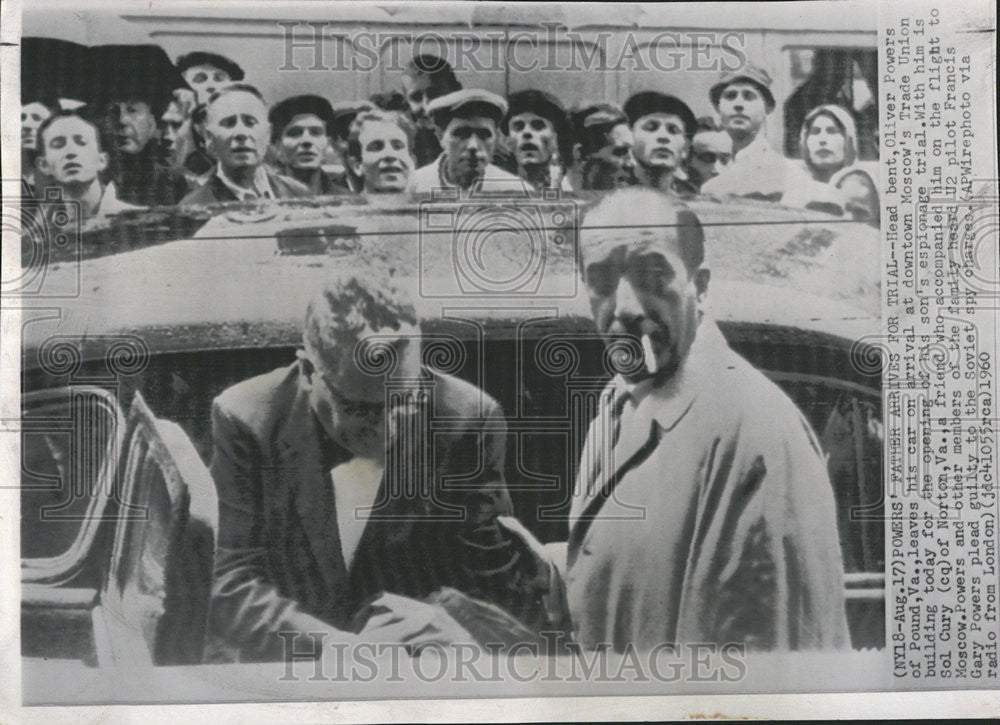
(649, 355)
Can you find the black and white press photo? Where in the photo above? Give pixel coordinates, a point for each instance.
(470, 350)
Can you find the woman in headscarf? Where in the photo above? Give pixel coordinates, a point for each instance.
(828, 142)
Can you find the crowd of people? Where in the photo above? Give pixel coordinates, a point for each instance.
(195, 131)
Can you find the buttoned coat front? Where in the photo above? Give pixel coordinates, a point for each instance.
(710, 521)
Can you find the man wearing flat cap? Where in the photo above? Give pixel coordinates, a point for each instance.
(602, 154)
(743, 100)
(300, 136)
(539, 137)
(134, 86)
(467, 122)
(662, 127)
(702, 510)
(237, 134)
(207, 73)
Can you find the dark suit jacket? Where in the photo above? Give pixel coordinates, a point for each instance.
(279, 565)
(214, 191)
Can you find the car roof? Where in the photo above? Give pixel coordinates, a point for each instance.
(229, 286)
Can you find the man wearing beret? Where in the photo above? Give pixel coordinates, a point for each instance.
(602, 154)
(467, 122)
(208, 73)
(662, 127)
(237, 134)
(539, 134)
(300, 136)
(743, 100)
(702, 510)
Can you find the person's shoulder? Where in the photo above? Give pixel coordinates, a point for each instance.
(334, 184)
(425, 179)
(204, 194)
(741, 391)
(256, 400)
(457, 398)
(494, 172)
(286, 186)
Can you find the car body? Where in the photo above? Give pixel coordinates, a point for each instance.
(159, 326)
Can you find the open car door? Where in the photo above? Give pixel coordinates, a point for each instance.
(117, 532)
(154, 600)
(71, 439)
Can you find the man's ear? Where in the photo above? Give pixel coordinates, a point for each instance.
(577, 154)
(307, 368)
(102, 161)
(701, 277)
(356, 167)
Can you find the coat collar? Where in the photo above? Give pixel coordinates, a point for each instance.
(306, 455)
(667, 403)
(301, 465)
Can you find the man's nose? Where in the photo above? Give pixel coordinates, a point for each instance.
(476, 145)
(627, 303)
(629, 162)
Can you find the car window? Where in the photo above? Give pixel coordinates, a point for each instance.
(70, 440)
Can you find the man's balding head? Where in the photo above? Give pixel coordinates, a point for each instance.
(641, 218)
(644, 272)
(359, 331)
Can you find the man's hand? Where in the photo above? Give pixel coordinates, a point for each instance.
(400, 619)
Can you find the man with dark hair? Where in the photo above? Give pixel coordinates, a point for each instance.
(136, 87)
(71, 155)
(342, 129)
(602, 153)
(237, 134)
(208, 73)
(379, 151)
(300, 136)
(539, 137)
(662, 127)
(425, 78)
(743, 100)
(467, 123)
(333, 489)
(176, 140)
(703, 512)
(711, 152)
(33, 115)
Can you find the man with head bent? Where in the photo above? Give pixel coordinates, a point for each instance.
(333, 489)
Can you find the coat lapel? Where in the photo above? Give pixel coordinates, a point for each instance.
(301, 461)
(401, 500)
